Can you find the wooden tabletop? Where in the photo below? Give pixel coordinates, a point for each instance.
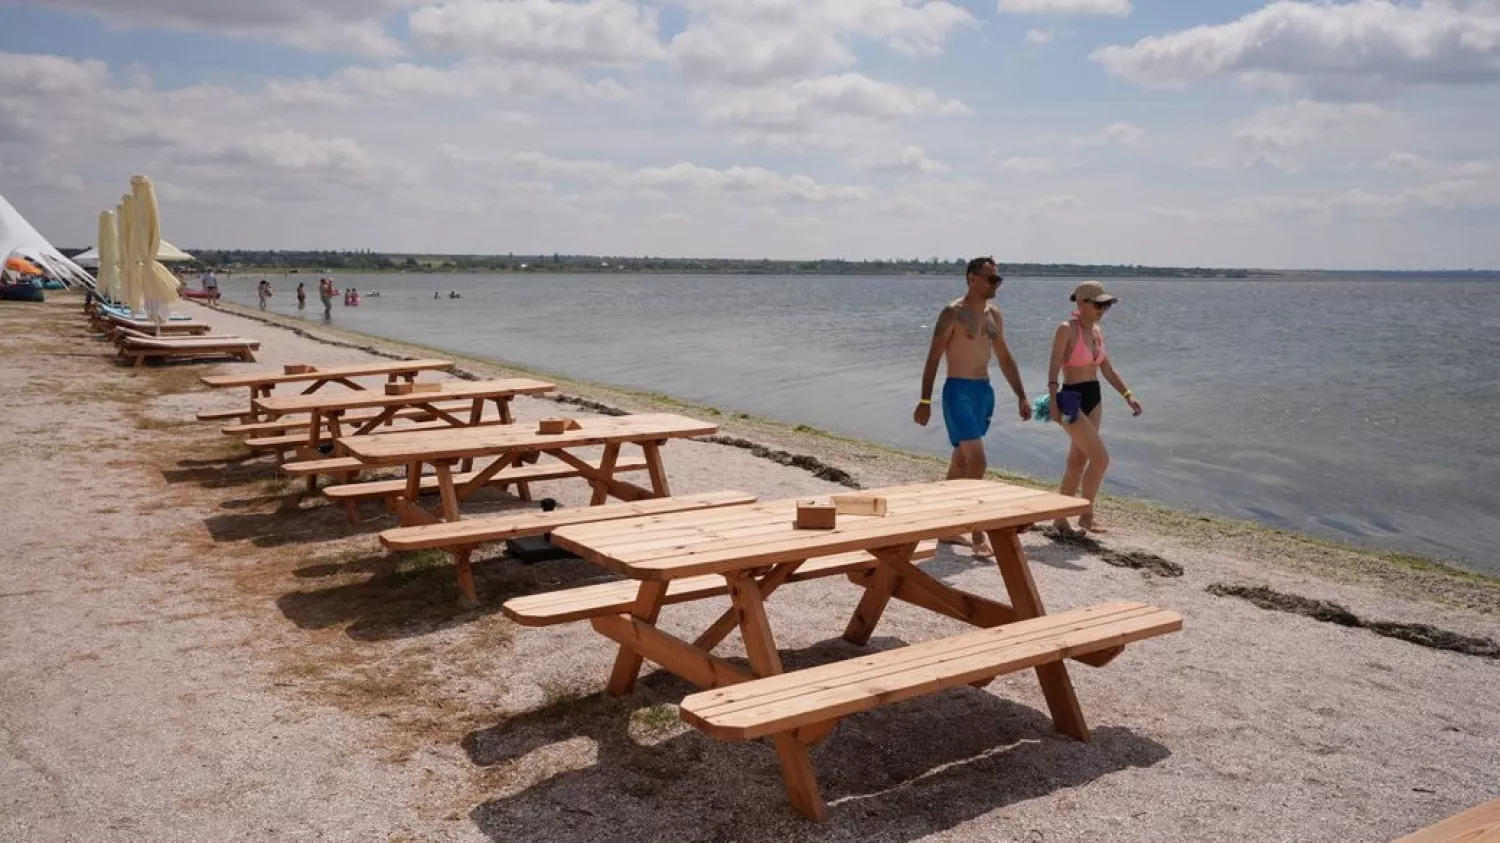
(354, 400)
(395, 367)
(665, 547)
(464, 442)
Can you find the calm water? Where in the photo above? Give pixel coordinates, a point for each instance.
(1359, 410)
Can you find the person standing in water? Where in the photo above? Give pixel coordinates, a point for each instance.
(968, 332)
(263, 292)
(1078, 352)
(301, 295)
(325, 292)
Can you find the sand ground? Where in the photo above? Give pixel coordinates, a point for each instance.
(191, 650)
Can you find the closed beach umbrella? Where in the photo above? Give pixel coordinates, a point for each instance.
(158, 284)
(109, 259)
(130, 290)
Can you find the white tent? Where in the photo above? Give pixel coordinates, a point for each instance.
(18, 237)
(166, 254)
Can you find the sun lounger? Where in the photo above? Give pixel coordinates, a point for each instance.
(138, 349)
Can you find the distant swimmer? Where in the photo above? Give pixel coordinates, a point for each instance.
(967, 332)
(435, 294)
(1076, 403)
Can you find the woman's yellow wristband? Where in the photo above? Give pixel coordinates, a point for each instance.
(1127, 395)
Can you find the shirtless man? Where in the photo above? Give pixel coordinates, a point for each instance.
(967, 331)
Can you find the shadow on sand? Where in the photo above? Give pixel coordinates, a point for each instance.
(897, 773)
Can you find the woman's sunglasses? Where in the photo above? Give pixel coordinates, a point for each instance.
(1101, 305)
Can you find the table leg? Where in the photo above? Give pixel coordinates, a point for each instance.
(658, 474)
(503, 405)
(314, 429)
(727, 622)
(647, 606)
(1056, 686)
(445, 488)
(606, 473)
(476, 415)
(409, 507)
(796, 765)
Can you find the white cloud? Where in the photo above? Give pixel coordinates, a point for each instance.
(905, 159)
(1029, 164)
(1113, 8)
(754, 41)
(1304, 122)
(44, 77)
(1115, 134)
(812, 101)
(592, 32)
(1447, 195)
(757, 181)
(1402, 162)
(347, 26)
(1249, 161)
(469, 79)
(1370, 46)
(1040, 36)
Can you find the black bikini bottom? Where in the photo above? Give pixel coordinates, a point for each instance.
(1088, 395)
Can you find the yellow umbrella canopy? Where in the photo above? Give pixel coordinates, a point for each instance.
(158, 284)
(109, 261)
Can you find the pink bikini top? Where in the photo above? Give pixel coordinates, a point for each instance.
(1080, 355)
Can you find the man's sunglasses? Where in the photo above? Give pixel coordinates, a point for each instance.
(993, 279)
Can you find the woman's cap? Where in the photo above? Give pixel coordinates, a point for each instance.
(1092, 291)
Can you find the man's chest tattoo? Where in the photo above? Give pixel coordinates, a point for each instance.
(974, 322)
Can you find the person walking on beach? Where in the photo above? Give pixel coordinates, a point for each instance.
(210, 287)
(1078, 352)
(325, 292)
(301, 295)
(968, 331)
(263, 292)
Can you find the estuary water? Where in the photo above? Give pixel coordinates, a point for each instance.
(1357, 409)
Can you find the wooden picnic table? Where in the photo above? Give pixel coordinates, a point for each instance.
(756, 549)
(512, 444)
(261, 384)
(329, 408)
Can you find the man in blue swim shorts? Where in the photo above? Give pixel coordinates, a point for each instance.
(967, 332)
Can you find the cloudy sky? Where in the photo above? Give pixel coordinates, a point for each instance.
(1212, 132)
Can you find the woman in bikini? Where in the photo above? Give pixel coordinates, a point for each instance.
(1078, 351)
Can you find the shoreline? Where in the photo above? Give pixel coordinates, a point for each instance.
(1404, 574)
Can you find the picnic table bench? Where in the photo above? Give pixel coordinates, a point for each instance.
(510, 446)
(1480, 824)
(329, 409)
(261, 384)
(754, 549)
(461, 538)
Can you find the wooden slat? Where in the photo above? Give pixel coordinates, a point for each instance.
(749, 525)
(459, 443)
(200, 344)
(1480, 824)
(972, 505)
(298, 421)
(525, 473)
(496, 528)
(361, 399)
(355, 371)
(332, 465)
(292, 440)
(575, 604)
(804, 697)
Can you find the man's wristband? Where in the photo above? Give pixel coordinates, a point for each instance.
(925, 401)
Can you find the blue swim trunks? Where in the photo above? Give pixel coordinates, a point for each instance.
(968, 404)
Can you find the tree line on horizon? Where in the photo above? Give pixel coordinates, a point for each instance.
(370, 261)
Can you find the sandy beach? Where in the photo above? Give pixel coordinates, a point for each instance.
(192, 650)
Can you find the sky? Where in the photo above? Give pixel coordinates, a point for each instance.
(1289, 134)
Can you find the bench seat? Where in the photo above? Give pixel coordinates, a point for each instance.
(614, 598)
(789, 701)
(300, 421)
(223, 415)
(1480, 824)
(291, 441)
(351, 494)
(460, 537)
